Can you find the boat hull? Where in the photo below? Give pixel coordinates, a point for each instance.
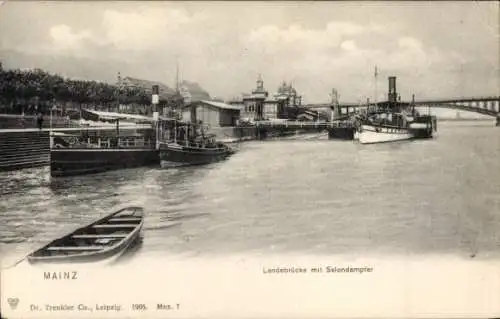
(175, 155)
(342, 133)
(111, 253)
(356, 135)
(108, 256)
(421, 130)
(70, 162)
(373, 134)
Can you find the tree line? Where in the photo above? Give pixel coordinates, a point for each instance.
(31, 91)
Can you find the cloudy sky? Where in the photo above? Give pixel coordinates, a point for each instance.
(436, 50)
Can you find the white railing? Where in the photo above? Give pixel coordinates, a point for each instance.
(302, 124)
(106, 142)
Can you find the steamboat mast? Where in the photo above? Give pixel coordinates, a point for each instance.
(376, 89)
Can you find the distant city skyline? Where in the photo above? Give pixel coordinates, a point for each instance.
(443, 49)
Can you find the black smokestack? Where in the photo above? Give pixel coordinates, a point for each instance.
(393, 95)
(156, 89)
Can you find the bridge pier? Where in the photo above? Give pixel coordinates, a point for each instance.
(261, 133)
(498, 119)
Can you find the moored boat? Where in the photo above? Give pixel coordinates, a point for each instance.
(394, 126)
(342, 133)
(205, 152)
(78, 154)
(369, 134)
(393, 120)
(184, 145)
(106, 238)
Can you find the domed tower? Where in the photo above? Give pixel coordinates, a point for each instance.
(259, 90)
(282, 88)
(260, 83)
(254, 104)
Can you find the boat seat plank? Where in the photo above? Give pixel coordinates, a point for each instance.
(76, 248)
(115, 226)
(100, 236)
(125, 215)
(125, 219)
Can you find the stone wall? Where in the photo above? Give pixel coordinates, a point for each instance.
(23, 149)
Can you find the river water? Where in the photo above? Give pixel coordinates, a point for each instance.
(439, 196)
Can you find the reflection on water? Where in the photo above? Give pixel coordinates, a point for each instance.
(314, 196)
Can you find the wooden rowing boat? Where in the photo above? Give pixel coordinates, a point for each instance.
(105, 238)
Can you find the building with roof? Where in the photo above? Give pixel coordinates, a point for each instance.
(190, 91)
(259, 105)
(211, 113)
(146, 85)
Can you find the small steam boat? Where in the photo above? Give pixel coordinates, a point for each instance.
(395, 126)
(186, 144)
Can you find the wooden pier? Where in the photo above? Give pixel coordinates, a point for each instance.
(339, 129)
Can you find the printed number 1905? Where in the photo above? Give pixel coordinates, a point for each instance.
(140, 306)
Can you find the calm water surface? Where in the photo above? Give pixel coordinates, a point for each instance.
(304, 196)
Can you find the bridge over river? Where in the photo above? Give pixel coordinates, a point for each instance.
(485, 105)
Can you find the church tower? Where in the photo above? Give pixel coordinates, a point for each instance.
(260, 83)
(259, 90)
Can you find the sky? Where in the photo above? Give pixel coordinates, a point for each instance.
(435, 49)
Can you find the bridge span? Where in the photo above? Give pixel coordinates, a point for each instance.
(489, 105)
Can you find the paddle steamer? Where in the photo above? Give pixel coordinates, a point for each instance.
(394, 126)
(393, 120)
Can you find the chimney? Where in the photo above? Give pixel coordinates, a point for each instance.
(155, 97)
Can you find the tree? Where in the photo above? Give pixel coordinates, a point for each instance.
(38, 86)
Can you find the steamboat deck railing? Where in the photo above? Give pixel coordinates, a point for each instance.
(304, 124)
(96, 142)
